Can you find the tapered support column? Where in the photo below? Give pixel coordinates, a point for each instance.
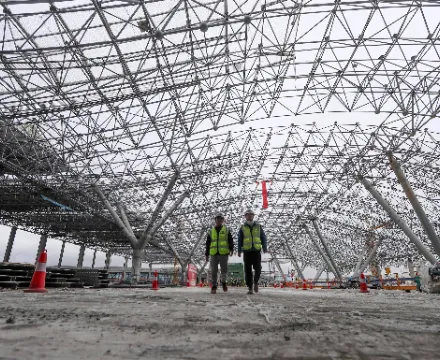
(82, 251)
(108, 257)
(430, 231)
(124, 271)
(396, 218)
(10, 244)
(150, 271)
(136, 263)
(60, 260)
(41, 246)
(411, 268)
(326, 248)
(94, 259)
(329, 264)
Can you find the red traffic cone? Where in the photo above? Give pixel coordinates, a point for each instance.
(311, 284)
(304, 284)
(38, 281)
(363, 284)
(155, 282)
(296, 284)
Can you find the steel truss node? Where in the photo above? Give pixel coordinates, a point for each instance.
(134, 122)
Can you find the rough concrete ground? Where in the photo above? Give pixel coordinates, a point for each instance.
(192, 324)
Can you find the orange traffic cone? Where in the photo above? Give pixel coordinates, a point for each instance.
(155, 282)
(311, 284)
(38, 281)
(363, 284)
(304, 284)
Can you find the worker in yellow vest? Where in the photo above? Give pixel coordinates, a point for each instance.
(251, 239)
(219, 246)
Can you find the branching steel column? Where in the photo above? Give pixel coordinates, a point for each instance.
(360, 259)
(10, 244)
(136, 264)
(125, 221)
(319, 273)
(406, 186)
(108, 257)
(82, 250)
(124, 271)
(41, 246)
(277, 263)
(411, 268)
(151, 233)
(327, 250)
(293, 260)
(131, 238)
(60, 260)
(396, 218)
(159, 206)
(320, 250)
(174, 251)
(94, 259)
(370, 256)
(196, 245)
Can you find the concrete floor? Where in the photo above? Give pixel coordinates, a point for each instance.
(192, 324)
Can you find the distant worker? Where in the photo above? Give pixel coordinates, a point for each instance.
(418, 282)
(219, 245)
(251, 239)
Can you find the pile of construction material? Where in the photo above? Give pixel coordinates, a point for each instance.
(16, 275)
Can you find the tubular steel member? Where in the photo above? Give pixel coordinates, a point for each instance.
(10, 244)
(396, 218)
(371, 256)
(82, 250)
(406, 186)
(293, 260)
(319, 273)
(108, 257)
(330, 267)
(41, 246)
(159, 207)
(356, 271)
(327, 250)
(94, 259)
(131, 238)
(60, 260)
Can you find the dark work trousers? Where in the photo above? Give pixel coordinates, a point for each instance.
(252, 259)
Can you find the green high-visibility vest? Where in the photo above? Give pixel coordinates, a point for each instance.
(219, 241)
(251, 237)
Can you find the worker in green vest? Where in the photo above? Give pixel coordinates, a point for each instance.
(219, 246)
(251, 240)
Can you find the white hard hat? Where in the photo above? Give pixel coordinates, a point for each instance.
(249, 212)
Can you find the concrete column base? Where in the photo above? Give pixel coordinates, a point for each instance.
(136, 264)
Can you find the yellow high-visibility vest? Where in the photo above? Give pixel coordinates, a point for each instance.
(219, 242)
(251, 237)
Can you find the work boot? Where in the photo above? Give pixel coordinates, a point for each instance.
(214, 290)
(225, 287)
(256, 288)
(250, 292)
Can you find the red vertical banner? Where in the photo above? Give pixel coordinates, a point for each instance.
(264, 192)
(192, 275)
